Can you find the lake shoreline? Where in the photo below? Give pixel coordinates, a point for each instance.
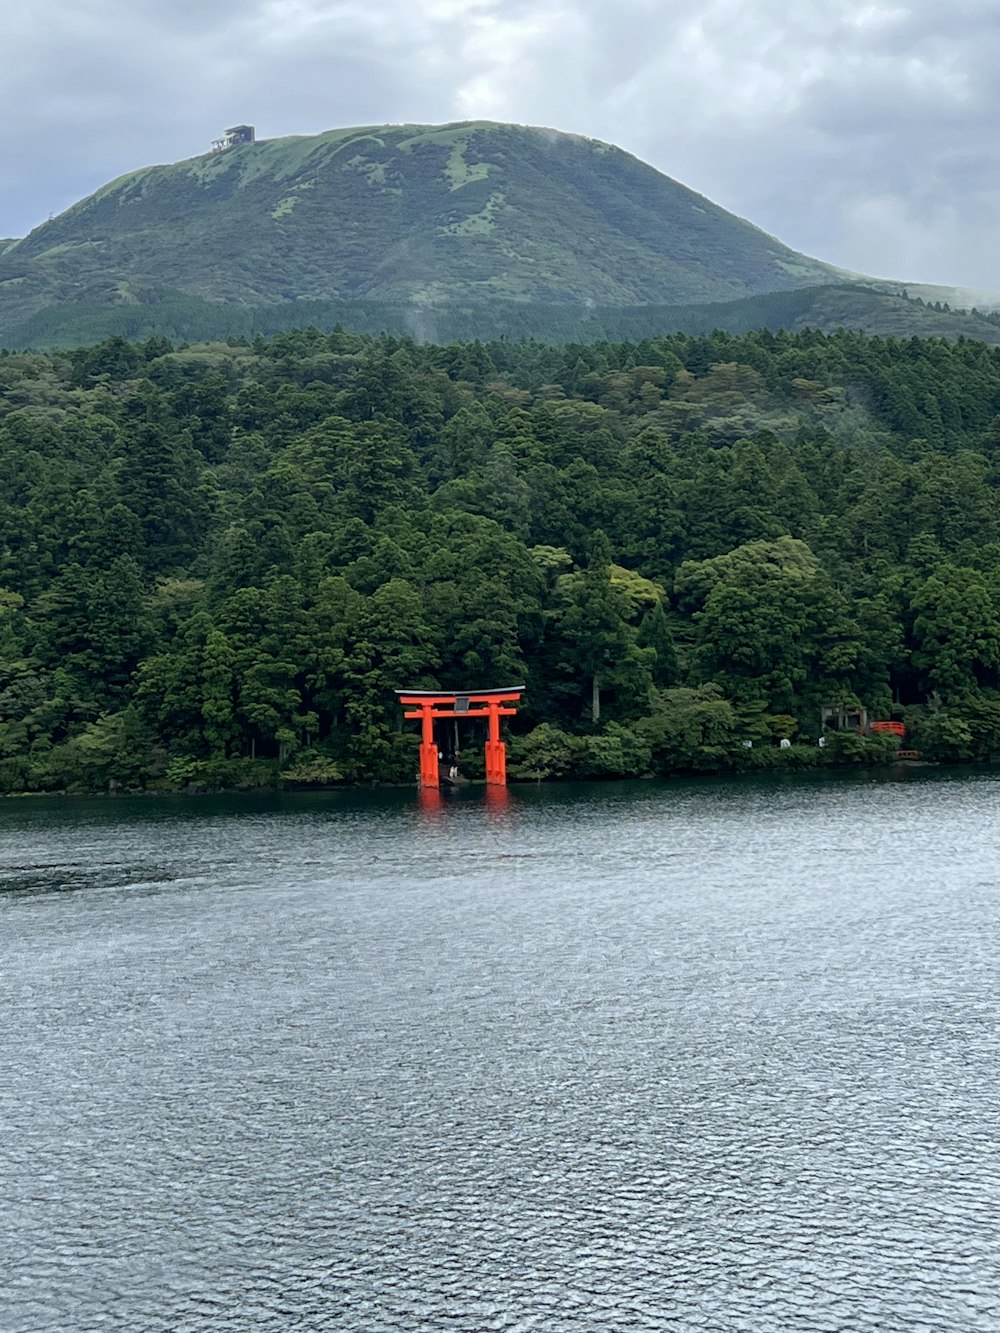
(779, 768)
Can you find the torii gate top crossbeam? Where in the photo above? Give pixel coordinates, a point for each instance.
(444, 698)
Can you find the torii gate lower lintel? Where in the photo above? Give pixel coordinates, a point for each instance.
(429, 705)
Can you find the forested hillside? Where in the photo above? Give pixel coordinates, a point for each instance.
(217, 562)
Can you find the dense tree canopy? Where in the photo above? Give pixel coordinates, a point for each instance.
(217, 562)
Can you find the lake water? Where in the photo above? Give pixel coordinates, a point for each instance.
(636, 1057)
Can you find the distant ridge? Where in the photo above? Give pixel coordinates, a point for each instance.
(190, 319)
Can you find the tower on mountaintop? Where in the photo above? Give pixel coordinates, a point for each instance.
(235, 135)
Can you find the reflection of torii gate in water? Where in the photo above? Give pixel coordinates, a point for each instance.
(429, 705)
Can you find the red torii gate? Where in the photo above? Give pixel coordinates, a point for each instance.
(491, 704)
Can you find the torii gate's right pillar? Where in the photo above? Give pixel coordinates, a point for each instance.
(496, 751)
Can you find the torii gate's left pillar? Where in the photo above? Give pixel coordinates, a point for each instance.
(429, 767)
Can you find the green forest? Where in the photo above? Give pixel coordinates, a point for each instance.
(217, 562)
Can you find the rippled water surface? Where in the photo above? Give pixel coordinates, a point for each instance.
(636, 1057)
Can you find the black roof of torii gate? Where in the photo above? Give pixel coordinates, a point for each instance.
(461, 694)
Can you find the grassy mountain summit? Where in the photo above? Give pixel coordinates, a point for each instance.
(428, 215)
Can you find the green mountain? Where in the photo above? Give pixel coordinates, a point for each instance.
(474, 230)
(406, 214)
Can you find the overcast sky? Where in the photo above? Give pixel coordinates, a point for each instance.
(863, 134)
